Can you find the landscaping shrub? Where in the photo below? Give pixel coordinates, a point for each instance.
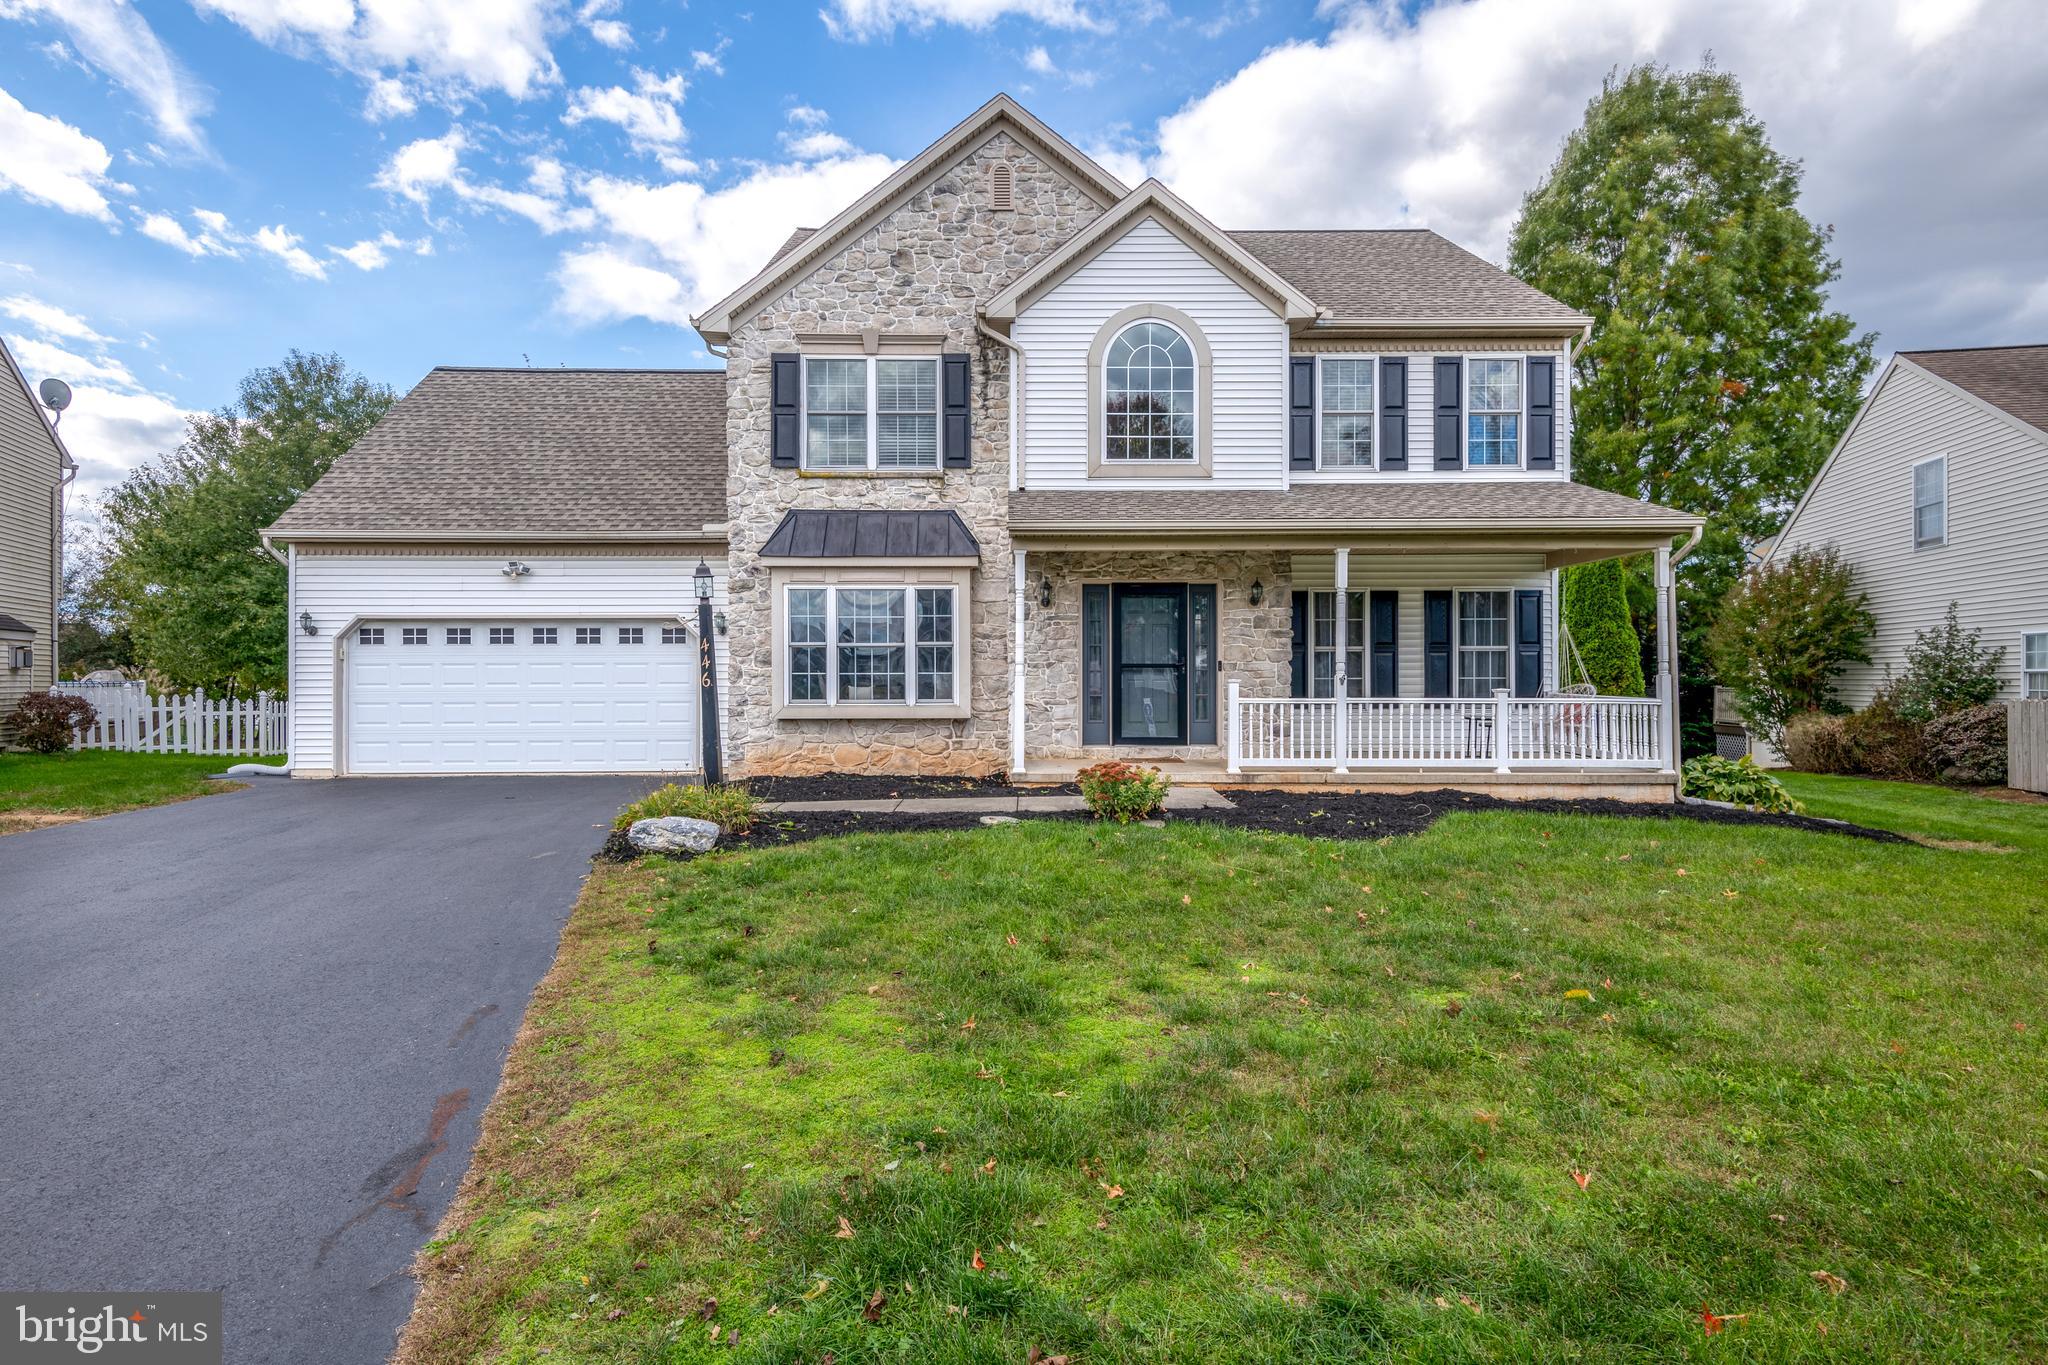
(1885, 742)
(731, 808)
(47, 722)
(1122, 792)
(1784, 633)
(1817, 743)
(1968, 746)
(1596, 613)
(1947, 669)
(1739, 782)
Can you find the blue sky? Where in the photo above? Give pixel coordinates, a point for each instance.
(190, 187)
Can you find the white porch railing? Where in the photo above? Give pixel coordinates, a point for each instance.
(130, 718)
(1502, 732)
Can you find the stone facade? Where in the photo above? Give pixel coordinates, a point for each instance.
(1253, 644)
(923, 270)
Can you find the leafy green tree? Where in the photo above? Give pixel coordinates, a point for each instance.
(1947, 669)
(1784, 634)
(182, 569)
(1596, 612)
(1717, 378)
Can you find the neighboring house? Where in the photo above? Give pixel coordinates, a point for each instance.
(1011, 467)
(1938, 493)
(33, 470)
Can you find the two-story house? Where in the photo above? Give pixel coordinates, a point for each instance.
(1938, 493)
(33, 469)
(1011, 467)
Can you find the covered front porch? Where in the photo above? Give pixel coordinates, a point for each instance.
(1396, 660)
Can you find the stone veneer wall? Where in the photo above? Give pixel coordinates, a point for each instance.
(1253, 644)
(924, 269)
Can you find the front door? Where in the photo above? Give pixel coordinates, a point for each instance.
(1150, 634)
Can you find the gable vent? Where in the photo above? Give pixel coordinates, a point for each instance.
(1000, 180)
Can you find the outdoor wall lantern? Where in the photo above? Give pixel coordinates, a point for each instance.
(514, 569)
(1258, 592)
(1045, 590)
(703, 580)
(308, 624)
(719, 622)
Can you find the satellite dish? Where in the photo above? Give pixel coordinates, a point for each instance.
(56, 394)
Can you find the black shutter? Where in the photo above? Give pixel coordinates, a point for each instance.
(1436, 643)
(1095, 663)
(1394, 412)
(1528, 642)
(1541, 442)
(1383, 611)
(1301, 412)
(1450, 406)
(785, 392)
(958, 450)
(1297, 658)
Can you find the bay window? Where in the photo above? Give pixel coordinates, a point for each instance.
(866, 644)
(871, 412)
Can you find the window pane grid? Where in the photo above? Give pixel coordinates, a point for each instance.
(1323, 644)
(901, 431)
(1493, 412)
(2034, 665)
(1149, 395)
(1348, 411)
(1930, 502)
(856, 645)
(1482, 643)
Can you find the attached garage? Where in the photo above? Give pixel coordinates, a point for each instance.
(477, 695)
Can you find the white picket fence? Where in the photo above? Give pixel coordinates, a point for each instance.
(130, 717)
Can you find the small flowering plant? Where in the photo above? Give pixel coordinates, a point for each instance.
(1122, 792)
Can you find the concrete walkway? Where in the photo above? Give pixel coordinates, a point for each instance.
(1179, 798)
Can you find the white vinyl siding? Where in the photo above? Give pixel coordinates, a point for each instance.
(1247, 344)
(1995, 562)
(1411, 575)
(469, 590)
(28, 482)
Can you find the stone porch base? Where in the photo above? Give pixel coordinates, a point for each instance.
(1560, 784)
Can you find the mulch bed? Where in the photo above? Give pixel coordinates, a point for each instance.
(1321, 815)
(882, 787)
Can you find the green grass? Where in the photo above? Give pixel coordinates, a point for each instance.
(1343, 1088)
(36, 787)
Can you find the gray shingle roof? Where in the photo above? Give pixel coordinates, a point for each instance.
(1448, 500)
(2011, 378)
(13, 625)
(547, 452)
(1396, 273)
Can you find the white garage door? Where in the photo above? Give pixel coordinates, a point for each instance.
(482, 696)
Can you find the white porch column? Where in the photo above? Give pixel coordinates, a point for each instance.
(1234, 752)
(1667, 662)
(1017, 669)
(1342, 688)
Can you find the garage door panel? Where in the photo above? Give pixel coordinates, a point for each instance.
(522, 706)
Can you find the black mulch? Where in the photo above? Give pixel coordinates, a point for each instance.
(881, 787)
(1321, 815)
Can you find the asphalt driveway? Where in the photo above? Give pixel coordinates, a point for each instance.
(246, 1040)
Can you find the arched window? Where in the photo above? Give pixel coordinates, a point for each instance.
(1148, 392)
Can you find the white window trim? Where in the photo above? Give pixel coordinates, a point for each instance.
(1378, 374)
(1362, 619)
(937, 466)
(2025, 695)
(1102, 378)
(1521, 363)
(1913, 492)
(1457, 647)
(831, 708)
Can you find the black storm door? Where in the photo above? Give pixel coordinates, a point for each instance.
(1151, 638)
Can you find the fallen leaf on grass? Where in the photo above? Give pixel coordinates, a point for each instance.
(1454, 1007)
(1187, 900)
(1835, 1283)
(1113, 1191)
(890, 1166)
(1102, 1224)
(707, 1310)
(873, 1312)
(1578, 993)
(1010, 939)
(845, 1232)
(815, 1290)
(1712, 1322)
(1583, 1178)
(989, 1167)
(1485, 1116)
(1037, 1357)
(968, 1027)
(977, 1262)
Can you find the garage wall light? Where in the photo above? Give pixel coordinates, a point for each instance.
(308, 624)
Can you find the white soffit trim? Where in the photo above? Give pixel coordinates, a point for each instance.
(1155, 201)
(718, 320)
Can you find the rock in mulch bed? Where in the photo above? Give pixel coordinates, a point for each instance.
(882, 787)
(1316, 814)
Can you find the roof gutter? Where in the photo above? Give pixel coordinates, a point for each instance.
(1494, 326)
(1111, 526)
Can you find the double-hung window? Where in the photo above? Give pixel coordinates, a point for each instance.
(1324, 652)
(2034, 664)
(1482, 642)
(1930, 502)
(1348, 412)
(871, 412)
(865, 645)
(1493, 412)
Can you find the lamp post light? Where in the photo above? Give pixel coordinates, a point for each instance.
(707, 676)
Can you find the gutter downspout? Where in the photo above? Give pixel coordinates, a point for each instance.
(69, 472)
(1016, 392)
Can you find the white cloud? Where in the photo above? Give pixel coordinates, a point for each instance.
(388, 99)
(285, 246)
(164, 228)
(420, 168)
(599, 284)
(612, 33)
(550, 177)
(50, 162)
(49, 319)
(1448, 118)
(1040, 61)
(114, 37)
(40, 356)
(860, 20)
(712, 61)
(808, 116)
(458, 47)
(374, 253)
(815, 146)
(648, 112)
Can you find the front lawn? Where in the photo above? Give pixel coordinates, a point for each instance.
(39, 789)
(1524, 1086)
